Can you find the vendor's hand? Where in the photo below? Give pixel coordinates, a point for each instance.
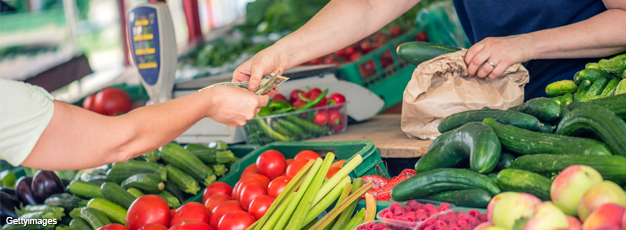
(233, 106)
(267, 61)
(501, 51)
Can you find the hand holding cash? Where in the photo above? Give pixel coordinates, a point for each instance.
(268, 82)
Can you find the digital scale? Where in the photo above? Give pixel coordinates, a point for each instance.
(153, 45)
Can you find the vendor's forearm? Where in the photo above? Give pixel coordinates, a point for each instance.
(599, 36)
(339, 24)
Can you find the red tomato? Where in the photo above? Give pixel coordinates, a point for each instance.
(243, 183)
(271, 163)
(222, 209)
(337, 98)
(294, 95)
(395, 31)
(321, 118)
(249, 193)
(315, 90)
(334, 117)
(298, 103)
(216, 188)
(191, 225)
(279, 97)
(251, 169)
(316, 61)
(266, 180)
(216, 200)
(153, 226)
(113, 227)
(322, 103)
(350, 50)
(289, 161)
(259, 206)
(148, 209)
(88, 103)
(237, 220)
(332, 171)
(277, 185)
(307, 155)
(295, 167)
(190, 211)
(112, 101)
(422, 37)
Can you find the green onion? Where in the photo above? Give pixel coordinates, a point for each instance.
(328, 200)
(282, 222)
(334, 180)
(356, 220)
(346, 214)
(326, 220)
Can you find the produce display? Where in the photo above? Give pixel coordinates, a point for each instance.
(412, 213)
(304, 115)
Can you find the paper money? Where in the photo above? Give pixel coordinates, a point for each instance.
(268, 82)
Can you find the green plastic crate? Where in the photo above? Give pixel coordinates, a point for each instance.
(372, 163)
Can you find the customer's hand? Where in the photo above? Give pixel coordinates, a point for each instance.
(233, 106)
(269, 60)
(502, 52)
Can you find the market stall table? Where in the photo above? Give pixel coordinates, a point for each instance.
(387, 135)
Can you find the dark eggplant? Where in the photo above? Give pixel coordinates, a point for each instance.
(23, 191)
(7, 207)
(45, 183)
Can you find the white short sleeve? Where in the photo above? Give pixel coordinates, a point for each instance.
(25, 111)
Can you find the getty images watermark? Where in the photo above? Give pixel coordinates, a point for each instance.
(25, 222)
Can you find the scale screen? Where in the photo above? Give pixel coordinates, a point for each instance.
(145, 43)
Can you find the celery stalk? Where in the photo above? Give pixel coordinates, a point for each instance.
(332, 196)
(344, 218)
(356, 220)
(344, 194)
(278, 213)
(282, 222)
(289, 189)
(343, 172)
(370, 211)
(325, 221)
(305, 204)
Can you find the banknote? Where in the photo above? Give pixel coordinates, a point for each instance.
(268, 82)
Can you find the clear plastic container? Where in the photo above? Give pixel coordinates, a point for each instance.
(370, 226)
(481, 217)
(297, 125)
(380, 214)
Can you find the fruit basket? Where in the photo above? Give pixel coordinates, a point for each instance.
(297, 125)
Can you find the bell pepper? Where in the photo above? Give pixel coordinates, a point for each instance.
(313, 102)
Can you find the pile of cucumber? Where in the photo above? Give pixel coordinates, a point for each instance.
(104, 195)
(481, 153)
(604, 78)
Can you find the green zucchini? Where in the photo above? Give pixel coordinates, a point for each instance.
(93, 178)
(112, 211)
(93, 217)
(561, 87)
(219, 169)
(522, 141)
(613, 103)
(418, 52)
(611, 168)
(219, 145)
(567, 99)
(171, 187)
(147, 182)
(610, 88)
(135, 192)
(183, 180)
(64, 200)
(621, 87)
(597, 87)
(517, 180)
(209, 155)
(577, 79)
(582, 88)
(117, 194)
(170, 199)
(471, 198)
(153, 156)
(176, 155)
(79, 224)
(544, 109)
(473, 140)
(506, 159)
(85, 189)
(599, 120)
(513, 118)
(594, 74)
(152, 167)
(118, 175)
(613, 66)
(439, 180)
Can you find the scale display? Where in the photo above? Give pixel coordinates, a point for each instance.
(145, 42)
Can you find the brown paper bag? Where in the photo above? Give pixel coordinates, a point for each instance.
(441, 87)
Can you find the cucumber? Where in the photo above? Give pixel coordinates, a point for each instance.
(610, 88)
(142, 165)
(75, 213)
(93, 217)
(473, 140)
(153, 156)
(567, 99)
(472, 198)
(439, 180)
(594, 74)
(176, 155)
(582, 88)
(621, 87)
(599, 120)
(79, 224)
(418, 52)
(522, 141)
(439, 139)
(586, 98)
(493, 177)
(85, 189)
(546, 128)
(64, 200)
(597, 87)
(513, 118)
(506, 159)
(591, 65)
(118, 175)
(611, 168)
(613, 66)
(558, 100)
(112, 211)
(561, 87)
(135, 192)
(147, 182)
(544, 109)
(170, 199)
(517, 180)
(577, 78)
(117, 194)
(613, 103)
(183, 180)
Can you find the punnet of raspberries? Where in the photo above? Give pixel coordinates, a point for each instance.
(413, 212)
(454, 221)
(374, 225)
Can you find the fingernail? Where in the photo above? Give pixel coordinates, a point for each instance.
(253, 87)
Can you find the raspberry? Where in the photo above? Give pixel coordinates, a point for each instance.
(394, 206)
(421, 212)
(439, 224)
(421, 218)
(444, 206)
(474, 213)
(429, 207)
